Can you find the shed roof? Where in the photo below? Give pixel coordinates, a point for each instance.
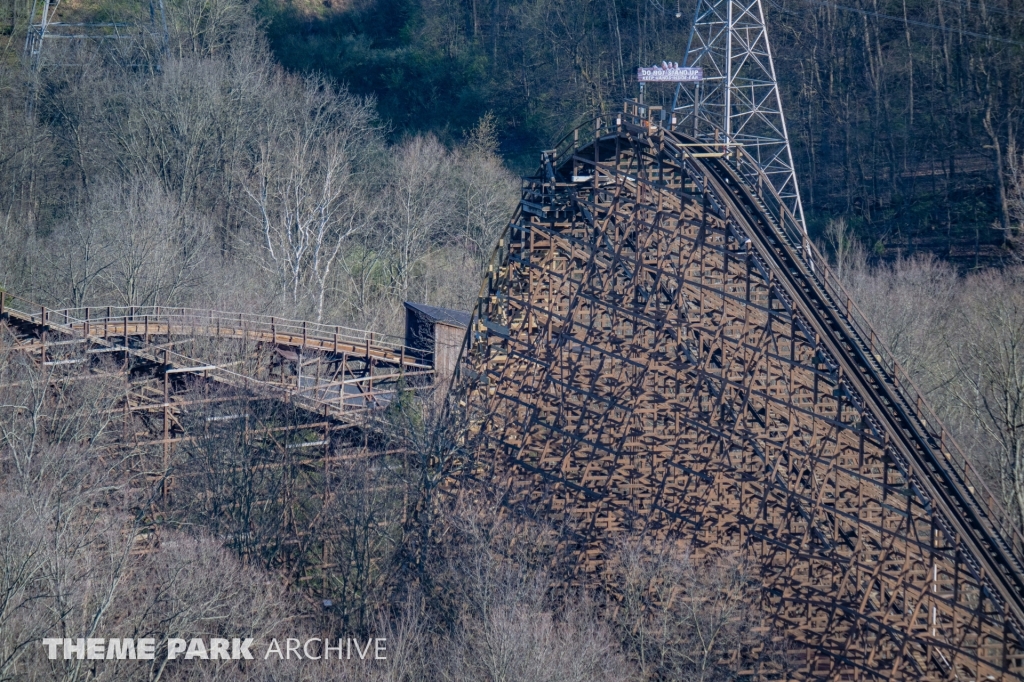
(456, 318)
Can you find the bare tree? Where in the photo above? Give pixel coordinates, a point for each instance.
(73, 560)
(47, 413)
(1015, 199)
(78, 254)
(205, 27)
(61, 560)
(909, 304)
(155, 247)
(846, 249)
(419, 208)
(683, 618)
(989, 351)
(364, 267)
(499, 619)
(305, 187)
(430, 430)
(486, 191)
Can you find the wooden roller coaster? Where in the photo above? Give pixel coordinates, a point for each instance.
(659, 350)
(353, 371)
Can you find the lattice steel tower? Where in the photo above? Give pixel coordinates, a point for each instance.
(738, 101)
(43, 26)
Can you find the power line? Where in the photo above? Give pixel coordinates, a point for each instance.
(911, 22)
(962, 5)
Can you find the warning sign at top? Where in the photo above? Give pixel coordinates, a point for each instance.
(669, 73)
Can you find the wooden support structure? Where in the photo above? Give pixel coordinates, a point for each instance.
(658, 350)
(308, 429)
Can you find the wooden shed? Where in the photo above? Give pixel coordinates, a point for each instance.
(437, 333)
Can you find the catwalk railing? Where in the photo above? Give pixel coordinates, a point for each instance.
(384, 362)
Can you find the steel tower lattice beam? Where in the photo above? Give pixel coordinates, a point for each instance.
(44, 26)
(738, 101)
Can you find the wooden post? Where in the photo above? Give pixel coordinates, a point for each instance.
(145, 333)
(85, 327)
(303, 333)
(369, 372)
(3, 303)
(167, 423)
(344, 362)
(335, 339)
(326, 500)
(273, 329)
(317, 393)
(42, 320)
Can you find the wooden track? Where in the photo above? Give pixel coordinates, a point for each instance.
(355, 371)
(260, 429)
(658, 350)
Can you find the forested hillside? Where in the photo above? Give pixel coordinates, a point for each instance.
(330, 159)
(206, 174)
(902, 113)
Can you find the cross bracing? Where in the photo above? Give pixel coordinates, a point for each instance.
(256, 427)
(44, 26)
(659, 351)
(655, 354)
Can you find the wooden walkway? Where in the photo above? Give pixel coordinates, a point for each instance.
(356, 371)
